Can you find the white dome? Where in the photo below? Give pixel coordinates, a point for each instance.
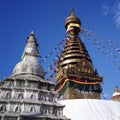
(116, 94)
(27, 67)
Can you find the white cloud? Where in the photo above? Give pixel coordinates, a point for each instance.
(106, 9)
(117, 15)
(114, 11)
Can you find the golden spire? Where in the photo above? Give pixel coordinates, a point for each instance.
(72, 12)
(75, 70)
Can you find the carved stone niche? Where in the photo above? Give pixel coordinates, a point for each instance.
(51, 87)
(42, 96)
(50, 110)
(44, 86)
(47, 95)
(18, 95)
(56, 98)
(17, 109)
(32, 108)
(56, 112)
(8, 95)
(51, 98)
(39, 85)
(8, 84)
(5, 94)
(32, 84)
(46, 110)
(2, 108)
(19, 83)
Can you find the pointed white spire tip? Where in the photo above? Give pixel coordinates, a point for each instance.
(32, 33)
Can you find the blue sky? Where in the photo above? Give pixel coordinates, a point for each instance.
(46, 18)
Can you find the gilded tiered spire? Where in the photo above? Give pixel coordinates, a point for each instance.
(75, 74)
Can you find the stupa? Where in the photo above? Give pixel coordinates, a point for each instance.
(75, 75)
(26, 95)
(116, 94)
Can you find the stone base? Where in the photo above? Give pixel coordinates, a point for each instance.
(33, 118)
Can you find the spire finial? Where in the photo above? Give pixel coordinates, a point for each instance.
(31, 47)
(32, 33)
(116, 89)
(72, 12)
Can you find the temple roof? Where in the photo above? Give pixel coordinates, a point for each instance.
(29, 64)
